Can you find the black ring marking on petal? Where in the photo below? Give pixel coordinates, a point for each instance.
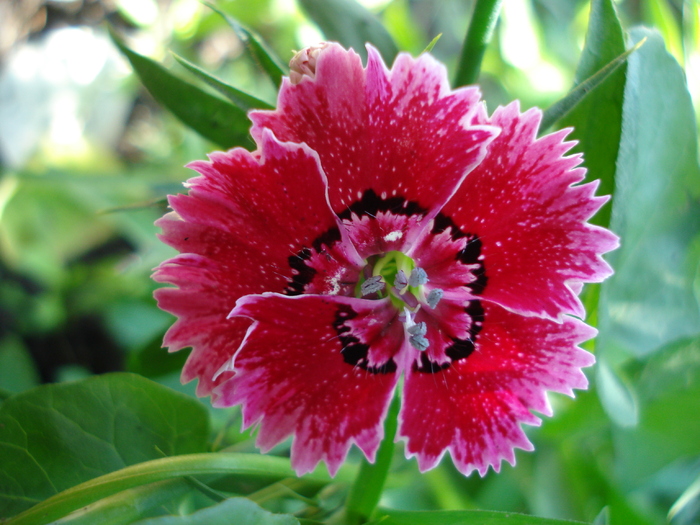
(470, 254)
(304, 273)
(460, 348)
(353, 350)
(429, 367)
(370, 204)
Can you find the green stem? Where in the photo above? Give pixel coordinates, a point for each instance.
(91, 491)
(478, 37)
(367, 488)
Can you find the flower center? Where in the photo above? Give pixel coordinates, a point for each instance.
(396, 276)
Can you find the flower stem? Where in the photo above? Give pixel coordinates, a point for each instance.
(367, 488)
(479, 35)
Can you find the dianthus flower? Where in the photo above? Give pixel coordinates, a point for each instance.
(384, 228)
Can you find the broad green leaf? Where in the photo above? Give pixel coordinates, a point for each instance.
(650, 302)
(668, 431)
(256, 47)
(616, 396)
(215, 119)
(240, 98)
(17, 370)
(240, 511)
(54, 437)
(244, 465)
(349, 23)
(462, 517)
(597, 119)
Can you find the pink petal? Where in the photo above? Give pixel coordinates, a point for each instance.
(318, 368)
(385, 138)
(537, 248)
(474, 407)
(251, 223)
(200, 302)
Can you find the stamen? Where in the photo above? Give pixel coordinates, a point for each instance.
(400, 281)
(419, 342)
(417, 329)
(418, 277)
(372, 285)
(434, 297)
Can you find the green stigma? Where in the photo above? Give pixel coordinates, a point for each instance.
(393, 269)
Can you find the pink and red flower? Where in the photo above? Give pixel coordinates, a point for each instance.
(385, 227)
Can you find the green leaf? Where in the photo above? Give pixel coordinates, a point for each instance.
(240, 511)
(561, 108)
(213, 118)
(616, 396)
(479, 35)
(650, 301)
(668, 431)
(266, 59)
(240, 98)
(692, 493)
(597, 119)
(245, 465)
(17, 370)
(432, 43)
(54, 437)
(462, 517)
(347, 22)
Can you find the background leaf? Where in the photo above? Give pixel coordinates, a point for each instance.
(468, 517)
(597, 119)
(257, 48)
(56, 436)
(349, 23)
(649, 302)
(669, 392)
(240, 511)
(240, 98)
(213, 118)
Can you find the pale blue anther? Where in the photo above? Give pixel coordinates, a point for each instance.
(418, 277)
(434, 297)
(400, 281)
(372, 285)
(417, 329)
(419, 342)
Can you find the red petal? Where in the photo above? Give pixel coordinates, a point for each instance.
(474, 407)
(537, 247)
(304, 369)
(250, 223)
(401, 133)
(201, 303)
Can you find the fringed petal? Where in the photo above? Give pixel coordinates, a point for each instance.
(250, 223)
(474, 407)
(519, 202)
(385, 138)
(319, 368)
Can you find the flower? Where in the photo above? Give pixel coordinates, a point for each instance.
(385, 227)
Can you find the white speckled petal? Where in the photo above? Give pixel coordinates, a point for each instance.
(312, 367)
(248, 224)
(537, 248)
(474, 408)
(399, 133)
